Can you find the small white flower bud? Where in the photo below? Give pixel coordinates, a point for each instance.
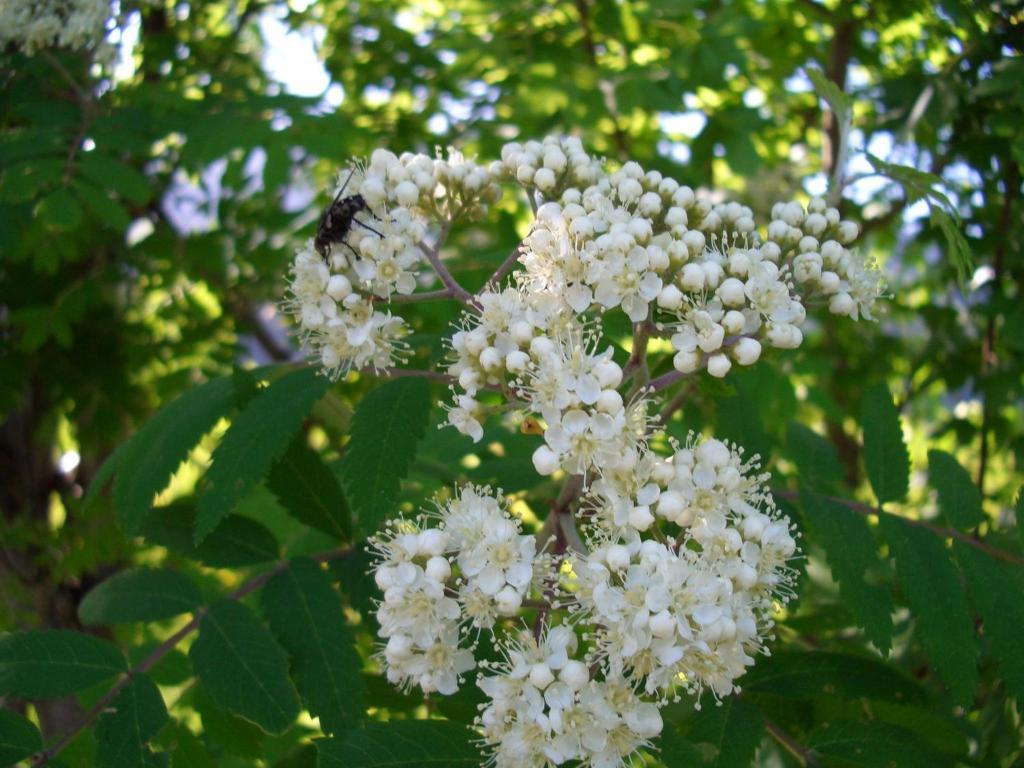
(692, 277)
(686, 362)
(747, 351)
(438, 568)
(842, 304)
(733, 322)
(541, 676)
(640, 517)
(662, 624)
(608, 374)
(544, 179)
(609, 401)
(617, 557)
(490, 359)
(670, 504)
(848, 231)
(670, 297)
(731, 292)
(574, 674)
(545, 461)
(829, 282)
(718, 365)
(517, 361)
(508, 600)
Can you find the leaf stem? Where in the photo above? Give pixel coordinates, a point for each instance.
(255, 583)
(938, 530)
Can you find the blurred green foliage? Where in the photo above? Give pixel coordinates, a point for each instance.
(147, 218)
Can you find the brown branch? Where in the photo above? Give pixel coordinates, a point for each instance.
(938, 530)
(164, 648)
(607, 88)
(989, 361)
(503, 269)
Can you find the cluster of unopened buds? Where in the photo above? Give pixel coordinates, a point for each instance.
(655, 575)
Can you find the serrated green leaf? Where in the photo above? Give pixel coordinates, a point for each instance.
(142, 594)
(44, 664)
(815, 457)
(243, 668)
(959, 249)
(310, 491)
(132, 719)
(997, 591)
(872, 745)
(236, 542)
(306, 614)
(401, 744)
(917, 184)
(386, 427)
(959, 498)
(939, 730)
(814, 674)
(937, 601)
(163, 442)
(885, 454)
(852, 554)
(18, 737)
(228, 732)
(838, 101)
(258, 436)
(734, 728)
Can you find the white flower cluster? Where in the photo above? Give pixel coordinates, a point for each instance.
(472, 568)
(72, 24)
(690, 610)
(545, 709)
(683, 560)
(333, 299)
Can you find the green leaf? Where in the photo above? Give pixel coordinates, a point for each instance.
(138, 595)
(18, 737)
(306, 614)
(385, 429)
(258, 436)
(236, 542)
(814, 674)
(110, 212)
(839, 102)
(917, 184)
(959, 249)
(885, 453)
(676, 751)
(44, 664)
(937, 600)
(872, 745)
(997, 591)
(228, 732)
(163, 442)
(310, 491)
(958, 496)
(132, 719)
(243, 668)
(852, 554)
(937, 729)
(815, 456)
(60, 210)
(109, 173)
(401, 744)
(734, 728)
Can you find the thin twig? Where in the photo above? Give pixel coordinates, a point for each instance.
(413, 298)
(457, 291)
(406, 373)
(791, 745)
(166, 647)
(506, 266)
(938, 530)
